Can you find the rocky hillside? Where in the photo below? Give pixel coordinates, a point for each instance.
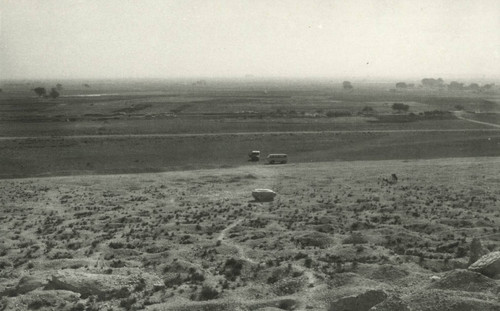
(380, 235)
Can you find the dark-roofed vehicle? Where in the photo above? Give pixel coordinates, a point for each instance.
(254, 156)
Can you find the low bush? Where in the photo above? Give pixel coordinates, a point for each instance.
(208, 293)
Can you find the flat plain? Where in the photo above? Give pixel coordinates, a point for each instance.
(137, 195)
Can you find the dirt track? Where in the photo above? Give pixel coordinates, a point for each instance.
(172, 222)
(479, 122)
(6, 138)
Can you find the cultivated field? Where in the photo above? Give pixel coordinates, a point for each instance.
(129, 127)
(137, 195)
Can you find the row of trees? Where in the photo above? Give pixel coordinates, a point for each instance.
(42, 92)
(54, 92)
(434, 83)
(439, 83)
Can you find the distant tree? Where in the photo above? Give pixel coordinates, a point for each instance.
(459, 107)
(431, 82)
(0, 90)
(368, 110)
(474, 87)
(59, 86)
(455, 86)
(401, 85)
(347, 85)
(200, 83)
(40, 91)
(54, 93)
(428, 82)
(488, 86)
(400, 107)
(86, 85)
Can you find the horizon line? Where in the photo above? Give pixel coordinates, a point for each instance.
(256, 77)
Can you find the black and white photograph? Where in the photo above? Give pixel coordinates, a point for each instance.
(250, 155)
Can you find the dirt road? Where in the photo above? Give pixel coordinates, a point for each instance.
(6, 138)
(479, 122)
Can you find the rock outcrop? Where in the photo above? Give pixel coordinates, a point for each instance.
(488, 265)
(361, 302)
(105, 286)
(391, 304)
(25, 285)
(466, 280)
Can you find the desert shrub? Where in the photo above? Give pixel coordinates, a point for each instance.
(359, 249)
(461, 252)
(355, 238)
(62, 255)
(354, 265)
(337, 114)
(140, 286)
(287, 304)
(315, 239)
(400, 107)
(173, 281)
(37, 304)
(308, 262)
(438, 115)
(232, 268)
(359, 225)
(196, 277)
(116, 245)
(208, 293)
(273, 278)
(128, 302)
(4, 264)
(300, 255)
(78, 307)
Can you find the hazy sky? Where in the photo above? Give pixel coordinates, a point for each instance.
(221, 38)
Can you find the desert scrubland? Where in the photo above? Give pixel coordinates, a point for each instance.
(140, 198)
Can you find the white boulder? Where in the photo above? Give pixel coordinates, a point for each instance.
(263, 195)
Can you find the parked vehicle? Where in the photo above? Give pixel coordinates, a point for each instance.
(277, 158)
(254, 156)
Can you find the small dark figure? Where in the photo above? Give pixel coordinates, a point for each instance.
(476, 251)
(394, 178)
